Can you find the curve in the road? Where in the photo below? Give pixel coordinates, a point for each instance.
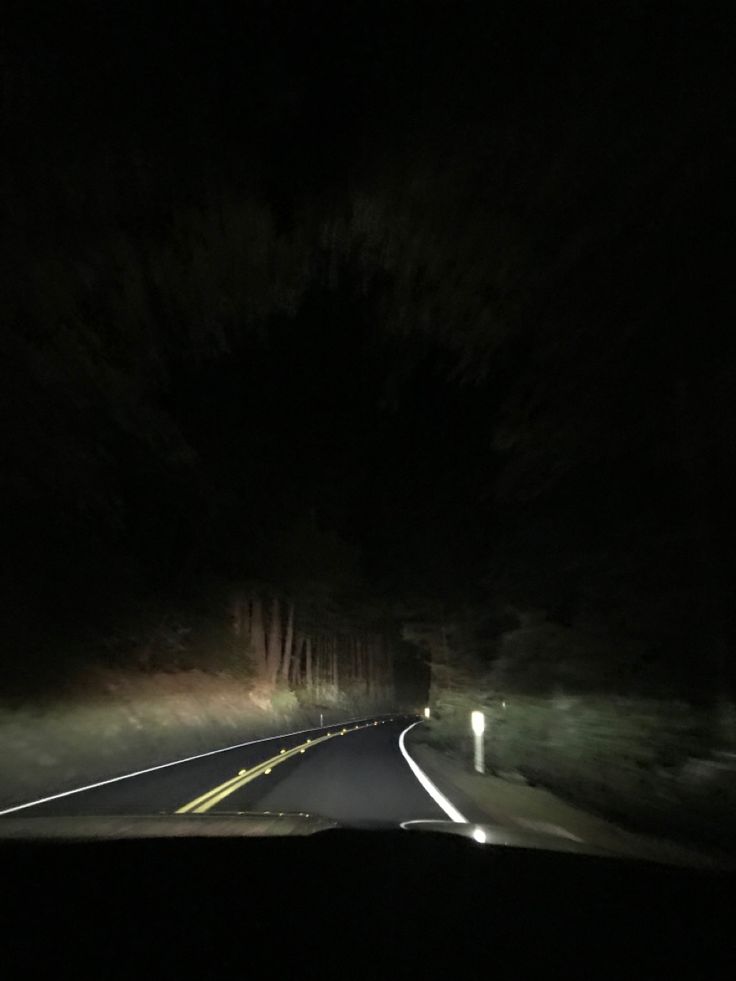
(437, 796)
(164, 766)
(359, 781)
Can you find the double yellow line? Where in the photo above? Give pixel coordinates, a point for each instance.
(200, 805)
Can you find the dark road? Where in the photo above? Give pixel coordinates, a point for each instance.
(354, 774)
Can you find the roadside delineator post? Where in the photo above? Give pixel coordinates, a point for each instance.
(478, 724)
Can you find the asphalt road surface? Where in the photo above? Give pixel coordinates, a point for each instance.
(354, 774)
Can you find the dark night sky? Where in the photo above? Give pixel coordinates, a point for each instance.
(444, 281)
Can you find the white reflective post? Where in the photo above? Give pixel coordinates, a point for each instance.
(426, 712)
(478, 723)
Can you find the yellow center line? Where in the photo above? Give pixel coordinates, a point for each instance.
(199, 800)
(220, 793)
(203, 803)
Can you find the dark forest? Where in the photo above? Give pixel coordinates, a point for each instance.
(377, 350)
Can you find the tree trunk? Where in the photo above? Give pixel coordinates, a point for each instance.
(293, 676)
(274, 643)
(335, 679)
(257, 639)
(288, 644)
(236, 615)
(308, 663)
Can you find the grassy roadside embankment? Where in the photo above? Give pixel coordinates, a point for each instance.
(663, 768)
(114, 722)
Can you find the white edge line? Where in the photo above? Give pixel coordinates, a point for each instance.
(437, 796)
(163, 766)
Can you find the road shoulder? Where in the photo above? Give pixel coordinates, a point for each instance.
(511, 805)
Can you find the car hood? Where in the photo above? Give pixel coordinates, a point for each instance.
(238, 824)
(227, 825)
(269, 824)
